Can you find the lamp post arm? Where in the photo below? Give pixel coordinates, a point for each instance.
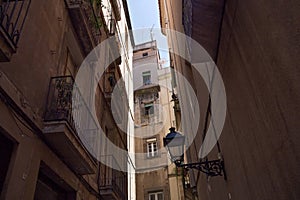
(210, 168)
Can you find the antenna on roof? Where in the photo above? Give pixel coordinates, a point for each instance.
(151, 32)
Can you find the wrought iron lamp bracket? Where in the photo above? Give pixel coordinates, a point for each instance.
(210, 168)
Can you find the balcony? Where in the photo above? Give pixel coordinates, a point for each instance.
(86, 23)
(12, 18)
(62, 131)
(117, 9)
(112, 75)
(113, 184)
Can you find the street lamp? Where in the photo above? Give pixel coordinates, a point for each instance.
(174, 142)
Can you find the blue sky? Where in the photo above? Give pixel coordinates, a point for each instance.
(145, 14)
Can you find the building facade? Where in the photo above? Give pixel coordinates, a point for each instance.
(153, 117)
(255, 46)
(44, 152)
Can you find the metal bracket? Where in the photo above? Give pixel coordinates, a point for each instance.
(210, 168)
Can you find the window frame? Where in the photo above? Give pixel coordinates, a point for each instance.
(146, 77)
(152, 147)
(156, 193)
(148, 109)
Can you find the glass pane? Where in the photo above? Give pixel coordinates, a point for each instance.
(154, 146)
(152, 197)
(160, 196)
(149, 147)
(151, 110)
(176, 152)
(146, 79)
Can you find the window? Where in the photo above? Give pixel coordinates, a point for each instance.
(145, 54)
(149, 110)
(152, 148)
(156, 196)
(147, 113)
(147, 78)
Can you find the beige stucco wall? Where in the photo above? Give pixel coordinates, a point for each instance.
(257, 60)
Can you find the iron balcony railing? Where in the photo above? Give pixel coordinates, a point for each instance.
(113, 181)
(65, 103)
(117, 9)
(59, 106)
(90, 12)
(86, 18)
(117, 183)
(12, 18)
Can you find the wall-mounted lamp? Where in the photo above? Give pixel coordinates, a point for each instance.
(174, 142)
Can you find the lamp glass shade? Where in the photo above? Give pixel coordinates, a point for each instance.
(174, 142)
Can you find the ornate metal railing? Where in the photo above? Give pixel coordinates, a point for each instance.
(113, 179)
(117, 9)
(65, 103)
(86, 14)
(12, 18)
(94, 23)
(59, 106)
(116, 183)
